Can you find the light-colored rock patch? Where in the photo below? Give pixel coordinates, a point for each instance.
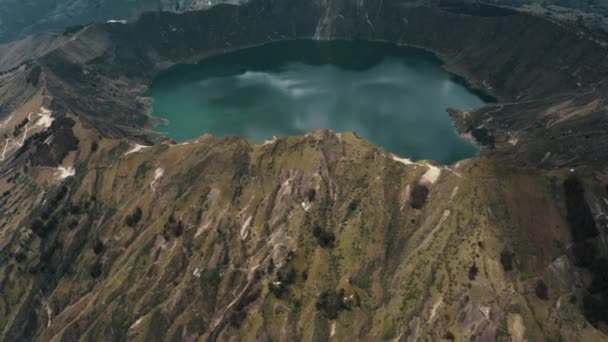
(516, 328)
(45, 119)
(306, 206)
(562, 270)
(158, 173)
(434, 309)
(404, 161)
(432, 174)
(270, 141)
(134, 325)
(62, 173)
(513, 139)
(136, 148)
(245, 227)
(454, 192)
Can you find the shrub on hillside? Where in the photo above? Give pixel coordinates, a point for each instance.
(419, 196)
(173, 228)
(133, 219)
(506, 259)
(473, 270)
(95, 271)
(286, 274)
(541, 290)
(325, 238)
(331, 302)
(98, 246)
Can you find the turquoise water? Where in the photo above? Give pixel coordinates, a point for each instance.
(395, 97)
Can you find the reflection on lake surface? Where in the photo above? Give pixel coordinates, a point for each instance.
(393, 96)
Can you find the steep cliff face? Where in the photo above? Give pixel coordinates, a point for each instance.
(105, 235)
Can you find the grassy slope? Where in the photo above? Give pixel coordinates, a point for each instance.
(240, 206)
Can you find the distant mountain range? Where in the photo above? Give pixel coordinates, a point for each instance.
(19, 18)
